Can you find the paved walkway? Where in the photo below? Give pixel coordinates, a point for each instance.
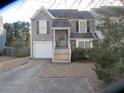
(26, 79)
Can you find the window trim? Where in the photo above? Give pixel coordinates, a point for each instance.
(45, 32)
(84, 40)
(85, 31)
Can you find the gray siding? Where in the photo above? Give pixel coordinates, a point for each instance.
(74, 28)
(39, 37)
(49, 36)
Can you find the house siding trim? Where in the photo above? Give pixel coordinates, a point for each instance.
(83, 40)
(31, 44)
(63, 28)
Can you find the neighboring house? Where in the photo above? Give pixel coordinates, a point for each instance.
(113, 12)
(2, 35)
(56, 31)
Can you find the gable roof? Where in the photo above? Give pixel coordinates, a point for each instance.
(42, 9)
(70, 13)
(113, 11)
(61, 23)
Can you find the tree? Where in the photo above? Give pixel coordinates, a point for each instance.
(9, 33)
(108, 53)
(15, 30)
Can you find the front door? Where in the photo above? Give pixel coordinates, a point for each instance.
(61, 38)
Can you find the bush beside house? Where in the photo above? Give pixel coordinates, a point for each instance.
(79, 54)
(108, 54)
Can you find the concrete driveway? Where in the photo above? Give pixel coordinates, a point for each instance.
(26, 79)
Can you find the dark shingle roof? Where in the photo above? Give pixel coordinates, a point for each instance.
(61, 23)
(108, 11)
(70, 13)
(82, 35)
(95, 34)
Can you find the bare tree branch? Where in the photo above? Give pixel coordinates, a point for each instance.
(73, 3)
(59, 4)
(53, 4)
(97, 3)
(79, 3)
(89, 4)
(22, 4)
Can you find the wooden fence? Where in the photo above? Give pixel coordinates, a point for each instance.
(11, 51)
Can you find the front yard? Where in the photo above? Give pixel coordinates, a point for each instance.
(72, 70)
(77, 70)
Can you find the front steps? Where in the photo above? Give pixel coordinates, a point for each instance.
(61, 56)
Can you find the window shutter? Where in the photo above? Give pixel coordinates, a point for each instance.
(88, 26)
(48, 27)
(77, 26)
(37, 27)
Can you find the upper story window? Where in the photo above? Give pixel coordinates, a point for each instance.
(42, 27)
(82, 26)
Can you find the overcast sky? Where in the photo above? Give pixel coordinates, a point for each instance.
(23, 9)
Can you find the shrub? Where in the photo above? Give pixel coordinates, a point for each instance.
(19, 48)
(109, 62)
(108, 53)
(78, 54)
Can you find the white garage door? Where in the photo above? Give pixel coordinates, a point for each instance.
(42, 49)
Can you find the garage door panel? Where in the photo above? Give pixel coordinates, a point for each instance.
(42, 49)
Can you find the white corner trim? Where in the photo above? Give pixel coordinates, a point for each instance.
(41, 9)
(31, 44)
(54, 44)
(62, 28)
(81, 38)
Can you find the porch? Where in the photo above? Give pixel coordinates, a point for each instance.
(61, 46)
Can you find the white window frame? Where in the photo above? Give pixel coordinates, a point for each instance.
(40, 30)
(84, 40)
(85, 31)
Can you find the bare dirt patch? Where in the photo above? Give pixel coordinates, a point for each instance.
(13, 62)
(5, 58)
(72, 70)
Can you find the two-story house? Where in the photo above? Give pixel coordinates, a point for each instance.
(56, 31)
